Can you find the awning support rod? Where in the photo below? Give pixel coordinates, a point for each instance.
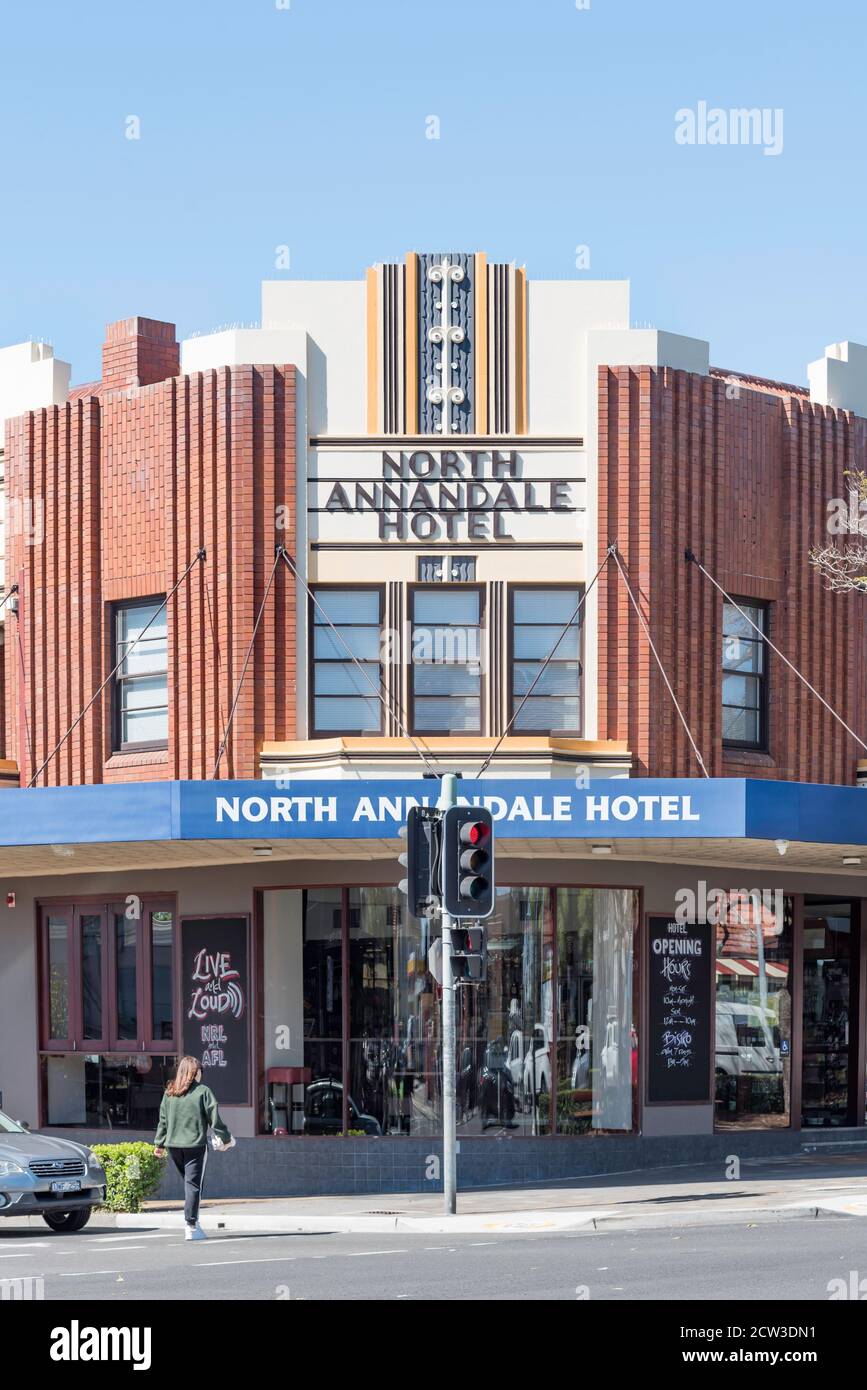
(539, 674)
(668, 685)
(201, 556)
(692, 558)
(397, 711)
(228, 728)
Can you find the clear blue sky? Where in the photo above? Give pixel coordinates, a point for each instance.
(306, 127)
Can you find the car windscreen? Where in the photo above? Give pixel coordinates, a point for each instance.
(8, 1126)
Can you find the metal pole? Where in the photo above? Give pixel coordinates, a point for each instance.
(448, 797)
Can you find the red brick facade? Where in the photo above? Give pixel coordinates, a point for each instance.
(742, 475)
(137, 473)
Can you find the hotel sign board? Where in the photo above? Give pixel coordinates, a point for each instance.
(608, 809)
(454, 495)
(532, 809)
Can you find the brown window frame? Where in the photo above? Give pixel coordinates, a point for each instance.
(314, 661)
(444, 586)
(74, 910)
(515, 700)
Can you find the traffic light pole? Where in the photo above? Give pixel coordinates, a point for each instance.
(448, 798)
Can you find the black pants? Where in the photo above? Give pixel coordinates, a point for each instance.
(190, 1163)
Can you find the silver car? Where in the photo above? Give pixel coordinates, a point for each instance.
(42, 1176)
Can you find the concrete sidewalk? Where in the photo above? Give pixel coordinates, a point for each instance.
(767, 1189)
(794, 1186)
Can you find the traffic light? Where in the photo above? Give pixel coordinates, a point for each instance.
(469, 955)
(468, 861)
(419, 859)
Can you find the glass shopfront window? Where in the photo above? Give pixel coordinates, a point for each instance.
(59, 933)
(393, 1035)
(830, 961)
(506, 1024)
(107, 1009)
(323, 999)
(91, 974)
(544, 1045)
(162, 973)
(597, 1049)
(126, 953)
(754, 1011)
(105, 1090)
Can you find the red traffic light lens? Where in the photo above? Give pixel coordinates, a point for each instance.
(474, 832)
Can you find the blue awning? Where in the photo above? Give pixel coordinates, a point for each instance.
(683, 809)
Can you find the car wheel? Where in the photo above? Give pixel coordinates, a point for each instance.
(66, 1222)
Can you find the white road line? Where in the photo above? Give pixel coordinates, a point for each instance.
(116, 1248)
(477, 1243)
(267, 1260)
(88, 1273)
(219, 1241)
(157, 1235)
(359, 1254)
(43, 1255)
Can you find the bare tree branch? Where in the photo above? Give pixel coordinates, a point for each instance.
(843, 568)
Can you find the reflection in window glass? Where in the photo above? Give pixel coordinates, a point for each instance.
(126, 943)
(162, 976)
(323, 989)
(446, 660)
(506, 1076)
(323, 1009)
(829, 976)
(507, 1023)
(393, 1030)
(91, 974)
(503, 1064)
(113, 1091)
(346, 624)
(58, 977)
(743, 681)
(597, 1048)
(753, 1011)
(141, 697)
(545, 625)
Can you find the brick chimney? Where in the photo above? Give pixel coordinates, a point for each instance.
(139, 352)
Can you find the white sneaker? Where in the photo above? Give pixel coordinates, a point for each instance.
(194, 1233)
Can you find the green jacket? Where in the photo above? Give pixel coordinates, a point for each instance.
(185, 1120)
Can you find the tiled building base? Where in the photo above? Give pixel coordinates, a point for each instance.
(335, 1167)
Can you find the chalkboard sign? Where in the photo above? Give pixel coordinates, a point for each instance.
(680, 1000)
(216, 994)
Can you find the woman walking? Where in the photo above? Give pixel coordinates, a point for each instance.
(187, 1112)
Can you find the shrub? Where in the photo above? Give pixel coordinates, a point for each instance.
(132, 1173)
